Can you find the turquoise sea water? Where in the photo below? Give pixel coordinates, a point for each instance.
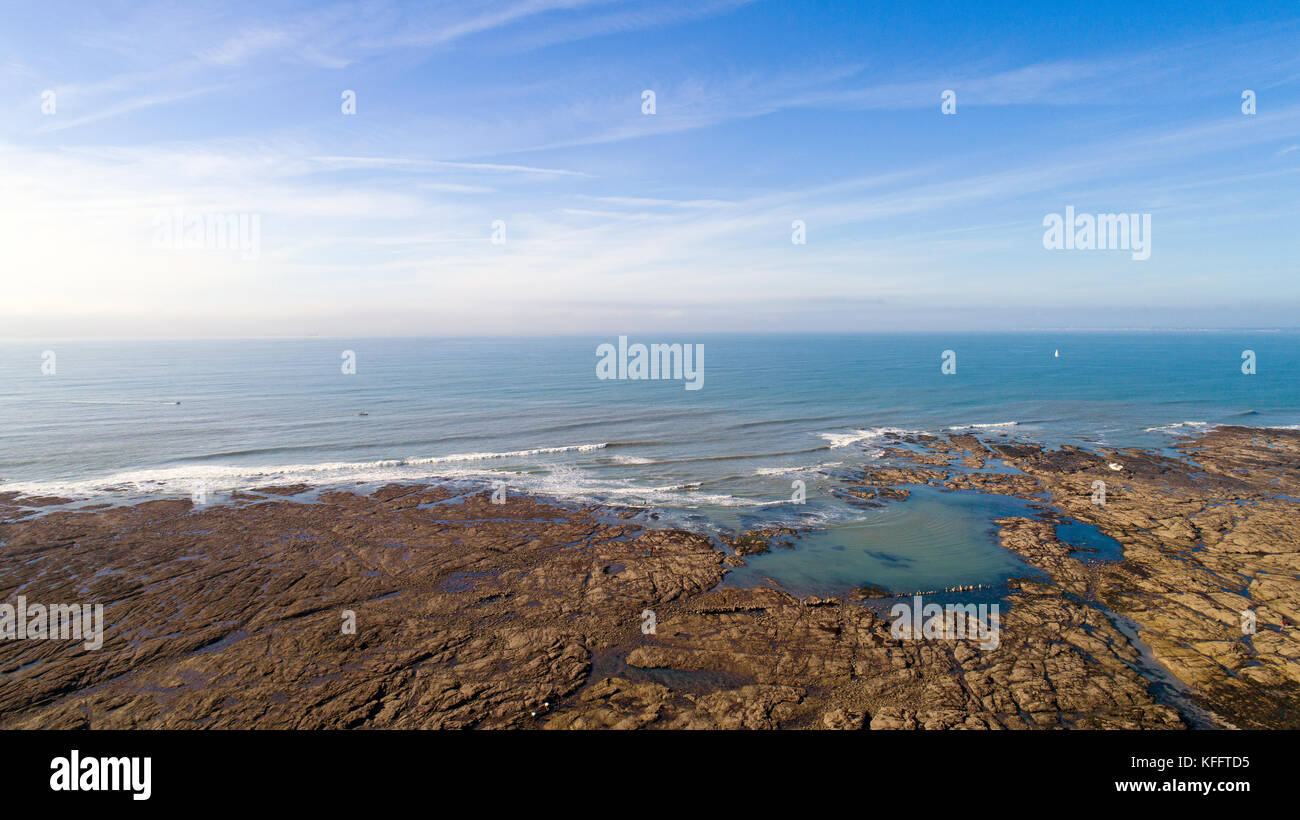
(123, 420)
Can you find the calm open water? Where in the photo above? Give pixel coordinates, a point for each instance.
(123, 420)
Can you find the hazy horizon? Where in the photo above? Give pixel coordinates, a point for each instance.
(644, 334)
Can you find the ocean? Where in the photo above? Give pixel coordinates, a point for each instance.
(126, 420)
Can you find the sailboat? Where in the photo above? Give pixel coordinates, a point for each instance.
(1057, 354)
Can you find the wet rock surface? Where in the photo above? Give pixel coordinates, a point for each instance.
(1206, 538)
(535, 614)
(467, 613)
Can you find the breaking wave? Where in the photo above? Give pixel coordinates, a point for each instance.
(1183, 428)
(837, 440)
(225, 477)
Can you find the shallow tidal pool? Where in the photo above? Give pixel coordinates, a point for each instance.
(931, 540)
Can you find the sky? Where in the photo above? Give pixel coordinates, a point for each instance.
(502, 175)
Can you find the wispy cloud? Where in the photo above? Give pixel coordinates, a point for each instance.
(124, 107)
(424, 165)
(478, 114)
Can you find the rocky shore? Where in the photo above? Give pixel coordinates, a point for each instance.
(535, 614)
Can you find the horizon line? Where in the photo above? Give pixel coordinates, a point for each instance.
(673, 333)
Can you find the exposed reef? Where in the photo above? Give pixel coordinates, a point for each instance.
(534, 613)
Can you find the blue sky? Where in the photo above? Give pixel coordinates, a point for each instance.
(530, 112)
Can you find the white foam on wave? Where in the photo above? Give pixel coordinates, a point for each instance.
(227, 477)
(1182, 428)
(563, 481)
(988, 426)
(838, 440)
(794, 470)
(571, 483)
